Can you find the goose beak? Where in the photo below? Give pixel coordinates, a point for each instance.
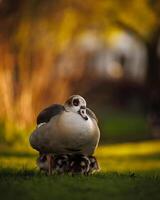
(83, 113)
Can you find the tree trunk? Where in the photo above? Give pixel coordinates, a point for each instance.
(153, 64)
(153, 84)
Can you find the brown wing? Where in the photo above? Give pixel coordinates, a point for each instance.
(91, 114)
(49, 112)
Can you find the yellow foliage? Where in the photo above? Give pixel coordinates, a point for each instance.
(34, 36)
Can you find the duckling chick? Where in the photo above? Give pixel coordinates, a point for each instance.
(94, 166)
(42, 162)
(73, 164)
(79, 164)
(61, 164)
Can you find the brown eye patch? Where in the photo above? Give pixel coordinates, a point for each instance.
(69, 102)
(76, 102)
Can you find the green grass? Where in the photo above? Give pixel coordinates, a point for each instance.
(121, 126)
(29, 185)
(128, 171)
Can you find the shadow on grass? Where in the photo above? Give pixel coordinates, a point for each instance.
(154, 156)
(17, 154)
(28, 173)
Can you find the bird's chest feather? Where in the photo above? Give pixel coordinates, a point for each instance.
(73, 125)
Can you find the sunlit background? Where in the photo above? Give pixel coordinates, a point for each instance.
(107, 51)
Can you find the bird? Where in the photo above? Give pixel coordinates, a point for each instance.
(69, 164)
(79, 164)
(42, 163)
(71, 128)
(94, 165)
(59, 163)
(84, 165)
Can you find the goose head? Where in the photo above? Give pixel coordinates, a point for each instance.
(76, 104)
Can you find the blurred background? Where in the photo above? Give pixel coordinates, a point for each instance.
(107, 51)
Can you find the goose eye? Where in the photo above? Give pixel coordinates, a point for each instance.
(76, 102)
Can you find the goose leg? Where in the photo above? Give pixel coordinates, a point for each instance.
(49, 160)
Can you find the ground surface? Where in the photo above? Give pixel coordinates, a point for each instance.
(128, 171)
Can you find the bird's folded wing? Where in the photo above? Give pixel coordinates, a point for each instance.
(91, 114)
(49, 112)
